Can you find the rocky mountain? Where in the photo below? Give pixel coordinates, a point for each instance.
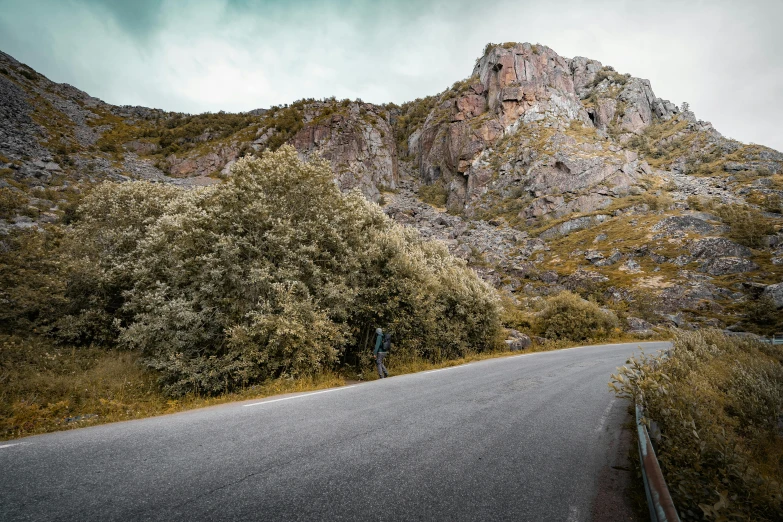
(543, 172)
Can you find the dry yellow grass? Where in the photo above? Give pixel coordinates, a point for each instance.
(45, 388)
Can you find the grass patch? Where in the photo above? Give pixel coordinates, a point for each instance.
(48, 387)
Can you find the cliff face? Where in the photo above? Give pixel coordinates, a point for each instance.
(541, 123)
(542, 172)
(357, 139)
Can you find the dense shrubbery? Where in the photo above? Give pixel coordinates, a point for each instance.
(273, 273)
(286, 121)
(185, 131)
(747, 225)
(32, 285)
(411, 116)
(718, 401)
(568, 316)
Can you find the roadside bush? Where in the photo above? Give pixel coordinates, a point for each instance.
(718, 401)
(273, 273)
(32, 282)
(568, 316)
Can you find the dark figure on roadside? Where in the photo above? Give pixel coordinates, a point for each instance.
(382, 345)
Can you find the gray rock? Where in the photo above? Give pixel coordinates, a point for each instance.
(612, 259)
(717, 247)
(573, 225)
(638, 325)
(632, 266)
(727, 265)
(594, 256)
(775, 292)
(518, 341)
(674, 224)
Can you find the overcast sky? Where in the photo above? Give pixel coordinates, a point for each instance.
(724, 58)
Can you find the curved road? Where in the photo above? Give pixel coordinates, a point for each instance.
(518, 438)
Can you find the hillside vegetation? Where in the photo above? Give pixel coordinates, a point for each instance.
(273, 274)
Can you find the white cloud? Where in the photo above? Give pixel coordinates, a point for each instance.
(721, 57)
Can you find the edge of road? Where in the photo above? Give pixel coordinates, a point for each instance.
(259, 401)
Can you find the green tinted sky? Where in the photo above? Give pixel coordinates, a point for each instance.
(722, 57)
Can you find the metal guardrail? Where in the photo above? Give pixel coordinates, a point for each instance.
(777, 338)
(659, 500)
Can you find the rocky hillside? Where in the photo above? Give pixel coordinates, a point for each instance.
(543, 172)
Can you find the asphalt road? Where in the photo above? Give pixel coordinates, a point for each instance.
(520, 438)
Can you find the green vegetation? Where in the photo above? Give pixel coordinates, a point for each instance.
(718, 401)
(608, 73)
(49, 386)
(567, 316)
(286, 121)
(411, 117)
(747, 225)
(176, 133)
(274, 273)
(435, 194)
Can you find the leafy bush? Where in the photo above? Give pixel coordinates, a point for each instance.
(274, 273)
(568, 316)
(435, 194)
(658, 202)
(747, 225)
(31, 279)
(10, 202)
(718, 401)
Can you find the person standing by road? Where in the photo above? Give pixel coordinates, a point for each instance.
(380, 351)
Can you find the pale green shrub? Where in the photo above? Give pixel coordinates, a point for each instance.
(747, 225)
(274, 273)
(568, 316)
(718, 401)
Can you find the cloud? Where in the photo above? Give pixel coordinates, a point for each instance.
(139, 19)
(236, 55)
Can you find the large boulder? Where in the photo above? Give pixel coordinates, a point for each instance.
(718, 266)
(674, 225)
(774, 292)
(711, 247)
(517, 341)
(359, 143)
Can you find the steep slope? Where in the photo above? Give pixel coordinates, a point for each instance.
(543, 172)
(614, 180)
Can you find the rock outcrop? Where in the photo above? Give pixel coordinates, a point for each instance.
(520, 123)
(359, 143)
(555, 173)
